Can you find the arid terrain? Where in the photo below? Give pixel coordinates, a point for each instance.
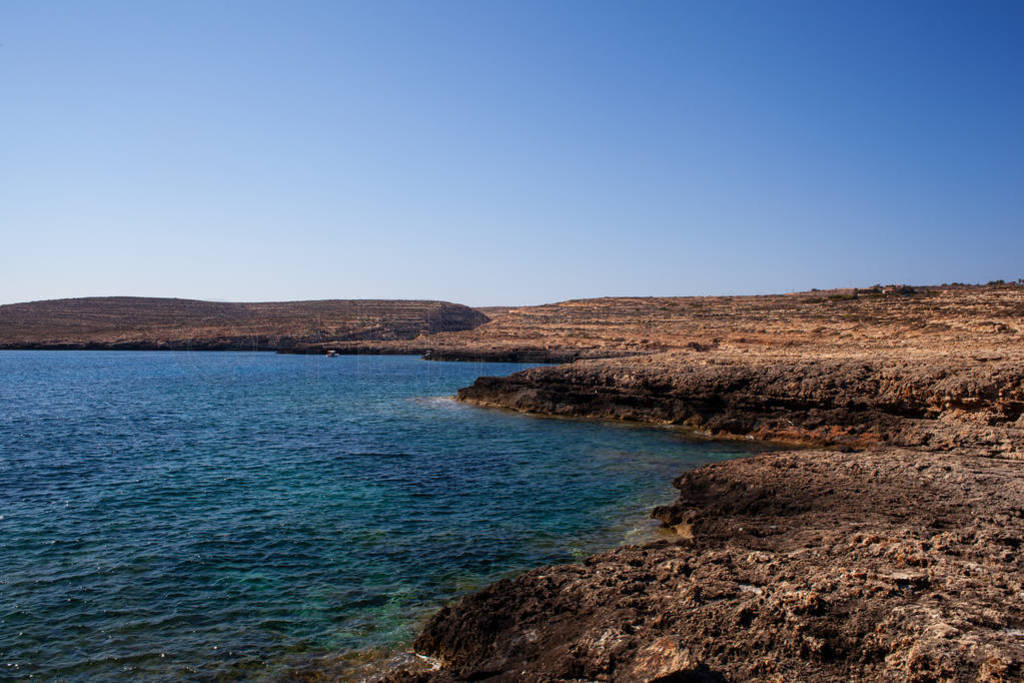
(886, 547)
(811, 565)
(147, 323)
(884, 543)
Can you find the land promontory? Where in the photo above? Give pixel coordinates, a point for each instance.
(154, 323)
(883, 542)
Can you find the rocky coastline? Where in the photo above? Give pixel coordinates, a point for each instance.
(938, 402)
(885, 546)
(812, 565)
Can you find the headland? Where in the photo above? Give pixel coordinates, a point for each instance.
(886, 546)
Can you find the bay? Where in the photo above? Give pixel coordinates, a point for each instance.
(168, 514)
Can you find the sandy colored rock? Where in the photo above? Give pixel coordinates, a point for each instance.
(894, 554)
(809, 565)
(962, 320)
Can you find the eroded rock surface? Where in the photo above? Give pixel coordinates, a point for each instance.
(938, 401)
(810, 565)
(893, 555)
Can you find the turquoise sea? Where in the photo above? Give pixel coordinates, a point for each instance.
(244, 515)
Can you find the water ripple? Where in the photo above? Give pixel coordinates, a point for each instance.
(169, 515)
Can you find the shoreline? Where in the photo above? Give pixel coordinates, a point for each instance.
(334, 597)
(770, 578)
(907, 405)
(403, 662)
(856, 561)
(354, 349)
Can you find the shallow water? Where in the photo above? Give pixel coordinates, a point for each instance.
(220, 514)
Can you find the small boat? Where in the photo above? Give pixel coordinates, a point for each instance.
(332, 354)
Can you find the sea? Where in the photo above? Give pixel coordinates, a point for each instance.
(168, 515)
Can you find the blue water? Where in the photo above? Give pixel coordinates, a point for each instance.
(236, 514)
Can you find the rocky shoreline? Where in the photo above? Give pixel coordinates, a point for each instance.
(887, 547)
(940, 402)
(810, 565)
(895, 554)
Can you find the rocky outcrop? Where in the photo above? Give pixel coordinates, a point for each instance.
(893, 555)
(942, 319)
(813, 565)
(941, 402)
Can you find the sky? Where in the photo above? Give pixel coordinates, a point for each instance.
(506, 153)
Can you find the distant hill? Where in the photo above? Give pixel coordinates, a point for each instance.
(882, 319)
(156, 323)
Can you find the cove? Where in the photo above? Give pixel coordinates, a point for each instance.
(240, 514)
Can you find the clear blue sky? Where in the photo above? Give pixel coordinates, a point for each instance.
(506, 152)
